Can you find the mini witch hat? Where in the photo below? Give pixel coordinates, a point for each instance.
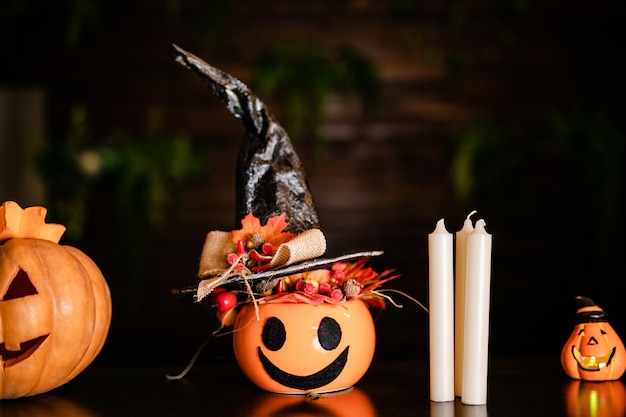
(280, 233)
(588, 311)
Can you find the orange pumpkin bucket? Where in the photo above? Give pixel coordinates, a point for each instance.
(299, 348)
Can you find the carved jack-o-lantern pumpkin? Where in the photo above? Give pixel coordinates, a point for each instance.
(593, 352)
(300, 348)
(55, 306)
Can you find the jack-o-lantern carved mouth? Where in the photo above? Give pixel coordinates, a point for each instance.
(592, 363)
(10, 358)
(307, 382)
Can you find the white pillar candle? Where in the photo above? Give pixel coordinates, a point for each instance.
(476, 340)
(441, 313)
(459, 301)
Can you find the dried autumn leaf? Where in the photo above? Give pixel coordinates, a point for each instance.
(272, 231)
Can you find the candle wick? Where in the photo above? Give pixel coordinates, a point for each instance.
(471, 214)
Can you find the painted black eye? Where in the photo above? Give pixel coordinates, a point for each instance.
(329, 333)
(274, 334)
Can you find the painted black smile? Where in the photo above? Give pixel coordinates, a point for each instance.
(318, 379)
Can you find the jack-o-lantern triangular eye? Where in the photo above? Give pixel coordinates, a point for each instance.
(20, 287)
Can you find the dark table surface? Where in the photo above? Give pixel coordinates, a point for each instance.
(523, 387)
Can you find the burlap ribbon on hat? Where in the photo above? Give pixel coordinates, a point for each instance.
(214, 267)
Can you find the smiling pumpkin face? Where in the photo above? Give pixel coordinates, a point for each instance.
(55, 311)
(301, 348)
(594, 351)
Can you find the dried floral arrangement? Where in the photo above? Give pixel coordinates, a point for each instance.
(266, 264)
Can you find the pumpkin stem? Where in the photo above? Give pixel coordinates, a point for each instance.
(16, 222)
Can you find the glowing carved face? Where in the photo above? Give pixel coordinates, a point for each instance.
(299, 348)
(594, 352)
(15, 350)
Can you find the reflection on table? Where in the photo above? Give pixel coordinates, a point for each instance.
(517, 388)
(352, 402)
(45, 405)
(457, 409)
(595, 399)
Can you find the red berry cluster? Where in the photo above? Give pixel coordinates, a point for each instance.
(331, 287)
(251, 255)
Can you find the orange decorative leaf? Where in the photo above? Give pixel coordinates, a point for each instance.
(356, 270)
(16, 222)
(275, 226)
(272, 231)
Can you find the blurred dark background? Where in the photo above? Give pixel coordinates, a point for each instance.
(403, 112)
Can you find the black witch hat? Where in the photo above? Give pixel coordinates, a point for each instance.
(270, 180)
(588, 311)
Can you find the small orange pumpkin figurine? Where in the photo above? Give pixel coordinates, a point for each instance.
(55, 306)
(593, 352)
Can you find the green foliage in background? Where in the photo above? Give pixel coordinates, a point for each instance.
(134, 175)
(459, 48)
(581, 149)
(75, 24)
(560, 168)
(138, 171)
(305, 74)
